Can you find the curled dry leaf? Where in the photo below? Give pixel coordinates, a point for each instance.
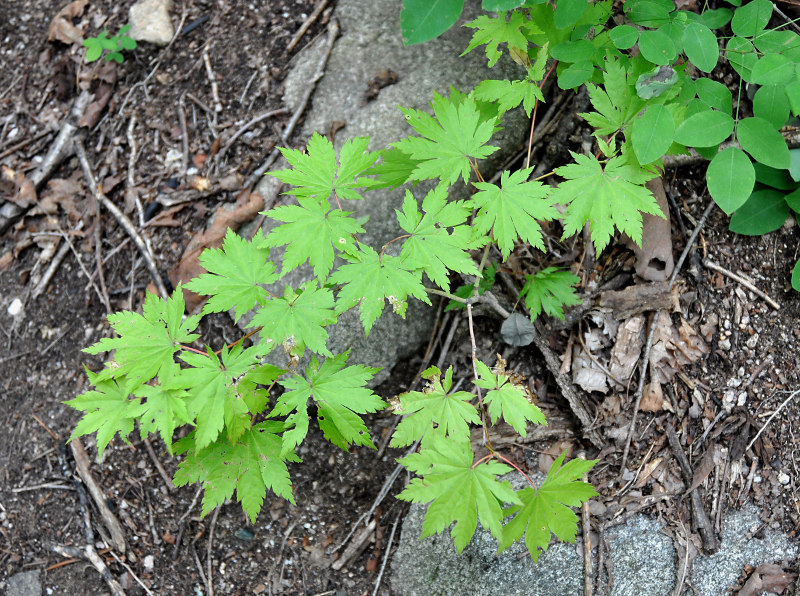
(16, 187)
(674, 348)
(767, 578)
(246, 208)
(627, 348)
(653, 398)
(586, 372)
(102, 85)
(61, 192)
(61, 27)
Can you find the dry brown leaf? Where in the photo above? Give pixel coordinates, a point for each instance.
(551, 453)
(586, 373)
(61, 27)
(767, 578)
(6, 259)
(627, 348)
(246, 208)
(61, 192)
(653, 398)
(647, 471)
(674, 348)
(16, 187)
(711, 459)
(102, 85)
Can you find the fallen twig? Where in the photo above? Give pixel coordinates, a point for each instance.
(161, 471)
(182, 520)
(386, 555)
(218, 157)
(209, 547)
(355, 547)
(771, 418)
(738, 278)
(123, 220)
(306, 24)
(55, 263)
(212, 78)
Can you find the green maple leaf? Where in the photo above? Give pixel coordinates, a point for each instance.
(311, 233)
(297, 320)
(448, 139)
(458, 491)
(369, 279)
(250, 466)
(547, 510)
(605, 197)
(107, 409)
(513, 210)
(550, 290)
(394, 169)
(494, 31)
(234, 274)
(508, 400)
(340, 394)
(164, 408)
(147, 341)
(214, 399)
(509, 94)
(315, 173)
(430, 247)
(616, 103)
(451, 412)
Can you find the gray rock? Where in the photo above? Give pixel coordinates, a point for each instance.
(643, 558)
(370, 42)
(26, 583)
(150, 22)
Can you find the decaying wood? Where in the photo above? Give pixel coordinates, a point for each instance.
(356, 547)
(640, 298)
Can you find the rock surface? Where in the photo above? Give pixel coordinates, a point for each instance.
(370, 45)
(26, 583)
(150, 22)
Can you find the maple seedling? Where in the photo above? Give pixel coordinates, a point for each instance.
(114, 46)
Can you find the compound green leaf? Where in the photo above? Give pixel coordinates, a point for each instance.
(716, 18)
(764, 212)
(423, 20)
(657, 47)
(742, 56)
(297, 320)
(546, 510)
(235, 274)
(513, 210)
(773, 69)
(651, 134)
(550, 291)
(507, 400)
(793, 200)
(763, 142)
(793, 95)
(452, 413)
(704, 129)
(701, 46)
(714, 94)
(449, 139)
(777, 42)
(369, 280)
(648, 13)
(771, 104)
(730, 177)
(752, 18)
(624, 37)
(605, 197)
(459, 491)
(779, 179)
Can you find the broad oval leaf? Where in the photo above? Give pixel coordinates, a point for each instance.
(657, 81)
(716, 18)
(730, 177)
(714, 94)
(771, 104)
(700, 46)
(651, 134)
(580, 50)
(501, 5)
(763, 142)
(773, 69)
(657, 47)
(569, 12)
(794, 166)
(649, 13)
(624, 37)
(423, 20)
(517, 330)
(778, 179)
(751, 18)
(777, 42)
(764, 212)
(704, 129)
(742, 56)
(793, 200)
(796, 276)
(575, 75)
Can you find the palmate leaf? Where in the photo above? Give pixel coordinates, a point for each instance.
(147, 341)
(429, 247)
(451, 412)
(506, 399)
(550, 290)
(509, 94)
(250, 466)
(214, 400)
(616, 103)
(459, 491)
(492, 31)
(369, 280)
(605, 197)
(546, 510)
(164, 408)
(107, 409)
(297, 320)
(340, 394)
(310, 233)
(315, 173)
(448, 139)
(234, 274)
(513, 210)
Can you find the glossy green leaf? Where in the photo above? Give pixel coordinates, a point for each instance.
(773, 69)
(716, 18)
(657, 47)
(780, 179)
(771, 104)
(794, 164)
(575, 75)
(648, 13)
(651, 134)
(793, 200)
(568, 12)
(573, 51)
(730, 177)
(763, 142)
(751, 18)
(704, 129)
(700, 46)
(796, 276)
(423, 20)
(792, 91)
(764, 212)
(742, 56)
(624, 37)
(714, 94)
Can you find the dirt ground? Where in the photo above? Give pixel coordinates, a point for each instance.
(749, 359)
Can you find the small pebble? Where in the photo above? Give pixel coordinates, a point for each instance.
(149, 563)
(15, 308)
(783, 478)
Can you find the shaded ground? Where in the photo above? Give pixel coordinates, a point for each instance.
(752, 355)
